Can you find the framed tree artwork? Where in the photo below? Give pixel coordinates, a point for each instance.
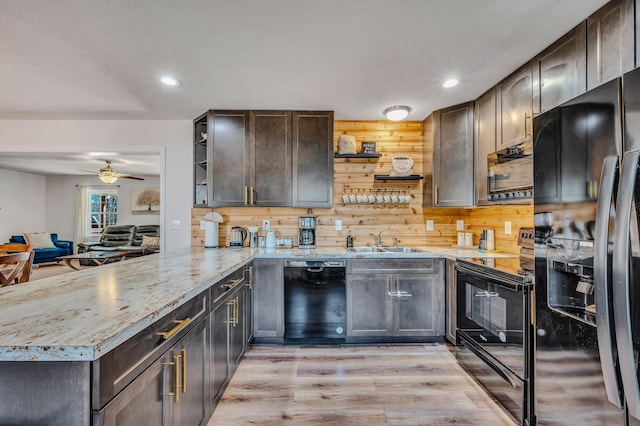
(145, 200)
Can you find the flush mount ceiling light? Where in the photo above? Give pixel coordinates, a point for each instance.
(170, 81)
(397, 112)
(450, 83)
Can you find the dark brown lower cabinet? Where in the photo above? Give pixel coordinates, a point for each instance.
(395, 298)
(171, 373)
(228, 331)
(170, 392)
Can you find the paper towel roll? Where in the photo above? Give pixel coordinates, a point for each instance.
(491, 244)
(210, 234)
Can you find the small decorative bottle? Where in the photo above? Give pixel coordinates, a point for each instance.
(349, 240)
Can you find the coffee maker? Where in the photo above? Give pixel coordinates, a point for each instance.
(307, 232)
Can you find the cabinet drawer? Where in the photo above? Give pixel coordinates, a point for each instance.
(116, 369)
(405, 266)
(225, 286)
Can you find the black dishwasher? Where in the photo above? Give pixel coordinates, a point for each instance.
(314, 300)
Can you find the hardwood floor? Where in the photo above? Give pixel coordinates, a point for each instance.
(354, 385)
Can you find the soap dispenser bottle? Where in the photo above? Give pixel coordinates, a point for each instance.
(349, 240)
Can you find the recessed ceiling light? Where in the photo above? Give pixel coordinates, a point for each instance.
(397, 112)
(450, 83)
(170, 81)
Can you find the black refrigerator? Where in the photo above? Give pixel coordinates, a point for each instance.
(587, 274)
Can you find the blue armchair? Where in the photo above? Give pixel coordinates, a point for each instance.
(63, 248)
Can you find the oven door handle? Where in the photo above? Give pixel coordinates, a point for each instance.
(604, 316)
(494, 280)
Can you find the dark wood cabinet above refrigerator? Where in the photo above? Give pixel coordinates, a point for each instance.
(263, 158)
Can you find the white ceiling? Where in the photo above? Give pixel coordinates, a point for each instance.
(102, 59)
(84, 163)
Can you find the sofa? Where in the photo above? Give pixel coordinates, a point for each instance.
(127, 238)
(42, 255)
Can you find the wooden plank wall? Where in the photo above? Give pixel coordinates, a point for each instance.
(407, 222)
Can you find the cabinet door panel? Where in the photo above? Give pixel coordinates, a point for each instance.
(312, 159)
(271, 157)
(191, 410)
(268, 289)
(415, 310)
(369, 306)
(453, 156)
(236, 330)
(485, 143)
(230, 158)
(144, 401)
(219, 348)
(516, 103)
(610, 42)
(563, 69)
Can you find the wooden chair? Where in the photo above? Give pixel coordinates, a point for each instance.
(12, 267)
(16, 248)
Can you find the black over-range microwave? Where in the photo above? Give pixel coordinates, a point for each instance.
(510, 174)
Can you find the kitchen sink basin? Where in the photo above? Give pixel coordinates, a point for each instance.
(404, 250)
(386, 250)
(366, 249)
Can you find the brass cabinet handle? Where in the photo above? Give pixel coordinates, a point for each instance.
(250, 282)
(236, 314)
(252, 192)
(526, 116)
(231, 319)
(436, 194)
(176, 378)
(233, 283)
(533, 307)
(183, 353)
(166, 335)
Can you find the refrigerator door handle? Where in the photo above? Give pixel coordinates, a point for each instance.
(604, 320)
(621, 284)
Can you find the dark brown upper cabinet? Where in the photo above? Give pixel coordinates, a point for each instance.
(453, 156)
(250, 159)
(560, 71)
(485, 143)
(610, 42)
(515, 107)
(270, 183)
(230, 151)
(312, 159)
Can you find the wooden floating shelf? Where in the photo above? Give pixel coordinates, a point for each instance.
(387, 177)
(376, 155)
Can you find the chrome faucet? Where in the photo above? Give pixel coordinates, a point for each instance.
(378, 239)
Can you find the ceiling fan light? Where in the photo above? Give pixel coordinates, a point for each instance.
(397, 112)
(108, 177)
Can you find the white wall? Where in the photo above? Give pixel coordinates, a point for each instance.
(22, 204)
(61, 192)
(172, 138)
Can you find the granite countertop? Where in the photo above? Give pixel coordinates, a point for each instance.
(82, 315)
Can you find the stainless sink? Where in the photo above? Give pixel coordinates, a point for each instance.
(366, 249)
(386, 250)
(404, 250)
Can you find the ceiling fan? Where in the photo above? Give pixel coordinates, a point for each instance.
(110, 175)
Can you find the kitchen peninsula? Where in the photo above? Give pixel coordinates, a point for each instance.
(58, 333)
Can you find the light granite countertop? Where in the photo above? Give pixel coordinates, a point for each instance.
(82, 315)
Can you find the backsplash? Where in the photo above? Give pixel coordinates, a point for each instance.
(406, 222)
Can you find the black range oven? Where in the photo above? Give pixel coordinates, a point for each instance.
(494, 341)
